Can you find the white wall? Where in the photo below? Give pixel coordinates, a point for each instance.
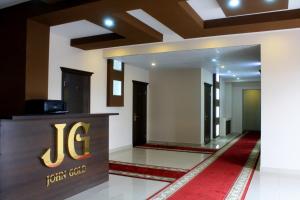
(280, 87)
(206, 77)
(175, 105)
(237, 104)
(62, 55)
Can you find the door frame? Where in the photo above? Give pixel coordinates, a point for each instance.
(78, 72)
(210, 127)
(146, 113)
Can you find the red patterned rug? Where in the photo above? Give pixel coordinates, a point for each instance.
(224, 175)
(177, 148)
(149, 172)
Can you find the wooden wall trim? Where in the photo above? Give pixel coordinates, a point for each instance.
(37, 59)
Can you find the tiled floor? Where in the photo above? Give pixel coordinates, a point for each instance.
(174, 159)
(264, 186)
(216, 143)
(121, 188)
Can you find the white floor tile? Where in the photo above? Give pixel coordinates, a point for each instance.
(265, 186)
(174, 159)
(121, 188)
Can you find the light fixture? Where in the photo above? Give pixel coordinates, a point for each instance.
(234, 3)
(270, 1)
(214, 60)
(238, 78)
(234, 75)
(153, 64)
(229, 71)
(109, 23)
(223, 67)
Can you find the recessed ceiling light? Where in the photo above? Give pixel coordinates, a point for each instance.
(108, 22)
(153, 64)
(238, 78)
(223, 67)
(214, 60)
(234, 75)
(234, 3)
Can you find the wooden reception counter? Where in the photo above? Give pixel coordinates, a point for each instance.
(52, 156)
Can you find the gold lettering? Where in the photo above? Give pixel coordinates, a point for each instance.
(62, 175)
(59, 149)
(85, 139)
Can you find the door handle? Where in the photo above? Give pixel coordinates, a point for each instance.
(135, 117)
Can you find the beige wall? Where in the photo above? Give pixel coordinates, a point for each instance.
(175, 105)
(237, 103)
(280, 87)
(62, 55)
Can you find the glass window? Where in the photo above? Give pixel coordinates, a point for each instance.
(117, 88)
(218, 94)
(217, 130)
(217, 112)
(117, 65)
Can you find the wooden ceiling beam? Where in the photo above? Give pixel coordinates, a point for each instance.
(253, 27)
(177, 15)
(87, 10)
(253, 19)
(247, 7)
(127, 31)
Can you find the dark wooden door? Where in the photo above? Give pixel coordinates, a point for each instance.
(139, 116)
(207, 112)
(76, 90)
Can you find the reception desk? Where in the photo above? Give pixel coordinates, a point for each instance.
(52, 156)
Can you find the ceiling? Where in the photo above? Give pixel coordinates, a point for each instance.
(239, 62)
(82, 28)
(143, 21)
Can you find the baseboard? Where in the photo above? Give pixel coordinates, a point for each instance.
(120, 148)
(280, 171)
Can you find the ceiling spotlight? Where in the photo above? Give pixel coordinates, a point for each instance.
(108, 22)
(234, 75)
(234, 3)
(238, 78)
(153, 64)
(223, 67)
(214, 60)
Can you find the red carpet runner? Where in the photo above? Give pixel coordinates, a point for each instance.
(177, 148)
(224, 175)
(166, 174)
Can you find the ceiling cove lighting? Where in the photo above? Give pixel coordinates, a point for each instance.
(109, 23)
(234, 3)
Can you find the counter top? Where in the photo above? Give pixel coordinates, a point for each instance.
(59, 116)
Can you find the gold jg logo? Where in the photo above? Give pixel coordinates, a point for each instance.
(73, 136)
